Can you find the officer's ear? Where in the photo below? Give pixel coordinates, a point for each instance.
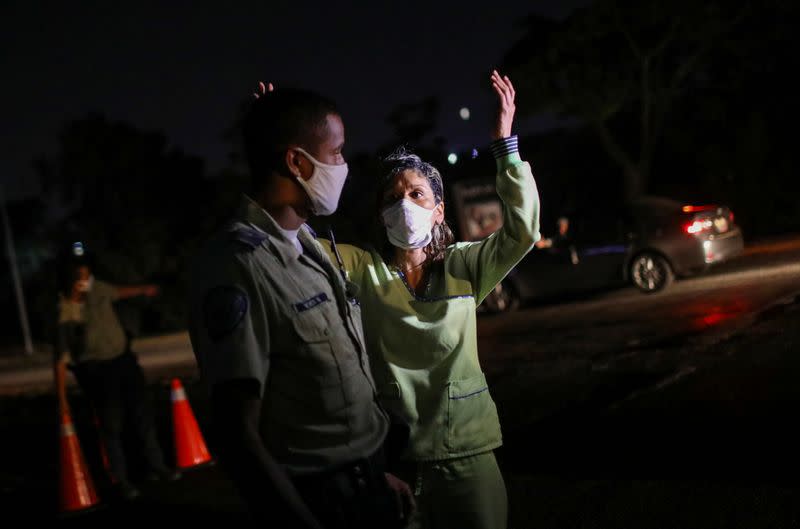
(297, 164)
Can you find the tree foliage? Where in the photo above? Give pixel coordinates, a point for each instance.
(139, 205)
(623, 65)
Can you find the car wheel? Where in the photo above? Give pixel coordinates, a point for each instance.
(503, 298)
(650, 272)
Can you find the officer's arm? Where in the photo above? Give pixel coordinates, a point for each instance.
(261, 481)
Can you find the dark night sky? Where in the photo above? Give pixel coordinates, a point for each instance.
(182, 67)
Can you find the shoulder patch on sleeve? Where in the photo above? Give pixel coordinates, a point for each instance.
(248, 235)
(224, 308)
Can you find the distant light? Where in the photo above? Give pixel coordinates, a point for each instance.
(452, 158)
(77, 249)
(464, 113)
(474, 153)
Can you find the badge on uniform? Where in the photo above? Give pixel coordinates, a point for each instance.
(224, 308)
(311, 302)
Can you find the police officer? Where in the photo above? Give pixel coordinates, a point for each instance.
(278, 337)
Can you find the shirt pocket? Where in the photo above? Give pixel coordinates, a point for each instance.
(312, 353)
(311, 325)
(304, 380)
(472, 421)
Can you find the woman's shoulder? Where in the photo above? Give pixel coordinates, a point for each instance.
(343, 248)
(458, 247)
(352, 255)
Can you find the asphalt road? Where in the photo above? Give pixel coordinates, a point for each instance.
(624, 410)
(658, 337)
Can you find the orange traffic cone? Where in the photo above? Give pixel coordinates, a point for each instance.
(190, 448)
(76, 489)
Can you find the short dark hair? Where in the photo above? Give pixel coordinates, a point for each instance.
(277, 119)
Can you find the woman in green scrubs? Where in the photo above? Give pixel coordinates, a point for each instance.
(419, 291)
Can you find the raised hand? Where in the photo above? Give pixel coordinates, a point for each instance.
(263, 89)
(506, 108)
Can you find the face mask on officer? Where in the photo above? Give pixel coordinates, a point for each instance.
(408, 225)
(325, 185)
(85, 285)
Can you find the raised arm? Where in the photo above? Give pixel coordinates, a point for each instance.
(506, 107)
(488, 261)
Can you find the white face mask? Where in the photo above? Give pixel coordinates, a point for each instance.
(408, 225)
(325, 185)
(85, 285)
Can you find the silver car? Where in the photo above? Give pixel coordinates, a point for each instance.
(646, 243)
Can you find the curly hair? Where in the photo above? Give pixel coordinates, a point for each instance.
(404, 160)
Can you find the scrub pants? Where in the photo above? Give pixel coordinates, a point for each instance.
(461, 493)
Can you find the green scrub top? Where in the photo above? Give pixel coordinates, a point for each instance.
(423, 349)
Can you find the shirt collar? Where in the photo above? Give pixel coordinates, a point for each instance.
(252, 213)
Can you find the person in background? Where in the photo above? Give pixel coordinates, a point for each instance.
(561, 238)
(90, 341)
(562, 241)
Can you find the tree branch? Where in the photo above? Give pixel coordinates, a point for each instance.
(611, 146)
(688, 66)
(628, 37)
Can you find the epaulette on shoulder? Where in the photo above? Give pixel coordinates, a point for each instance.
(248, 235)
(311, 231)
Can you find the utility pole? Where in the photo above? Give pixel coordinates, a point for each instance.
(12, 262)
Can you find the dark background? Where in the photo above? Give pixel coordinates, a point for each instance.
(119, 120)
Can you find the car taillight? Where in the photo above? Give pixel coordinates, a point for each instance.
(697, 209)
(730, 217)
(698, 226)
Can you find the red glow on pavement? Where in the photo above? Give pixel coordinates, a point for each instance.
(706, 315)
(715, 319)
